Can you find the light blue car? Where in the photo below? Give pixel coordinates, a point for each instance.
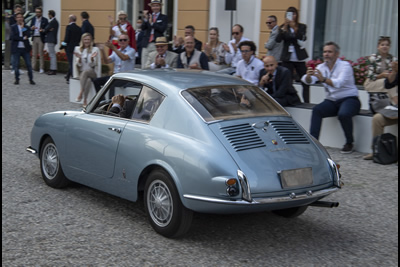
(186, 141)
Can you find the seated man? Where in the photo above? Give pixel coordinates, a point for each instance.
(277, 81)
(386, 117)
(192, 58)
(249, 67)
(342, 94)
(162, 58)
(122, 106)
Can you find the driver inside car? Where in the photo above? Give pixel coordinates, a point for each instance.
(123, 106)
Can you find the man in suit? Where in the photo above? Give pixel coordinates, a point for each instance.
(86, 25)
(274, 48)
(277, 81)
(20, 47)
(38, 25)
(179, 47)
(162, 58)
(154, 25)
(71, 39)
(51, 32)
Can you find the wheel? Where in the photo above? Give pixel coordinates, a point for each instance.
(291, 212)
(164, 209)
(50, 166)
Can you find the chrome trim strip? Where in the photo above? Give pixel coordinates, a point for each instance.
(31, 150)
(257, 201)
(336, 180)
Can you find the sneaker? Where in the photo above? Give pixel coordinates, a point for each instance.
(347, 149)
(369, 157)
(41, 71)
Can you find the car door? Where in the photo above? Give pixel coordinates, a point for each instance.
(92, 138)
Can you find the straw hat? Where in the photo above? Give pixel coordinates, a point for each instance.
(158, 2)
(161, 41)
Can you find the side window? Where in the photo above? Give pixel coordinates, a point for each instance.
(147, 104)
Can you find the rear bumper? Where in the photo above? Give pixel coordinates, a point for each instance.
(222, 206)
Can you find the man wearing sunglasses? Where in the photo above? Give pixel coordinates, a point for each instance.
(274, 48)
(233, 55)
(123, 59)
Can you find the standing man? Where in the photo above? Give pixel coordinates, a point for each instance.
(71, 39)
(192, 58)
(154, 25)
(249, 67)
(86, 25)
(20, 47)
(51, 32)
(274, 48)
(233, 55)
(277, 81)
(179, 47)
(123, 59)
(342, 94)
(162, 58)
(39, 23)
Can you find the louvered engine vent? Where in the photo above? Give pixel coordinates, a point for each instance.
(289, 132)
(242, 137)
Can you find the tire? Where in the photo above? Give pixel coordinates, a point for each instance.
(291, 212)
(163, 206)
(50, 165)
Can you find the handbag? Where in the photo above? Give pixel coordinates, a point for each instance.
(378, 101)
(385, 149)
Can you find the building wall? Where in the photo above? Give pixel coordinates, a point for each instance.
(277, 8)
(195, 13)
(98, 12)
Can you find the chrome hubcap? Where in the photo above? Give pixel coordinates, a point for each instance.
(160, 204)
(50, 161)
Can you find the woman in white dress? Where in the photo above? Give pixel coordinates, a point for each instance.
(215, 51)
(86, 59)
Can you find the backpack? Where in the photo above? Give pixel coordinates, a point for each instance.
(385, 149)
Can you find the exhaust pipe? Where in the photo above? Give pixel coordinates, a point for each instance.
(325, 204)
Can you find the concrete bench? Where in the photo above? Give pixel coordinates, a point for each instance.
(331, 131)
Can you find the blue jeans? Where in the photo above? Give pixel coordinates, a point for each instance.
(21, 52)
(345, 109)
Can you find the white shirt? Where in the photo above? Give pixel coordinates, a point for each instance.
(37, 25)
(233, 57)
(21, 43)
(342, 78)
(124, 65)
(250, 72)
(117, 31)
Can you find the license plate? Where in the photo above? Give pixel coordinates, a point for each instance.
(296, 177)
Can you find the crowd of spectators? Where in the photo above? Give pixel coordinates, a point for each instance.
(147, 47)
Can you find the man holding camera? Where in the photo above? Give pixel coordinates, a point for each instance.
(20, 47)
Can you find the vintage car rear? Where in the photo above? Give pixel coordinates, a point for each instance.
(280, 166)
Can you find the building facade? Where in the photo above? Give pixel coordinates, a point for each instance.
(354, 24)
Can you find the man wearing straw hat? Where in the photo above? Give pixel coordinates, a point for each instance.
(154, 25)
(162, 58)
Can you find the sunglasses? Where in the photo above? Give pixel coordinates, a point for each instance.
(270, 22)
(123, 40)
(235, 33)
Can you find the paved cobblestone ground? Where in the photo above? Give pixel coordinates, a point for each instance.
(79, 226)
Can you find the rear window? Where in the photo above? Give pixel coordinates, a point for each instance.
(232, 102)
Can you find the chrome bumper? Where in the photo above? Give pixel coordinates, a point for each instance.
(256, 201)
(31, 150)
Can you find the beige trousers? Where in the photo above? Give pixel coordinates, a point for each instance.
(86, 82)
(37, 48)
(379, 122)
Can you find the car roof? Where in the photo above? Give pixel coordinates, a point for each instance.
(179, 79)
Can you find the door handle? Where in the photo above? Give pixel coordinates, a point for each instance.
(118, 130)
